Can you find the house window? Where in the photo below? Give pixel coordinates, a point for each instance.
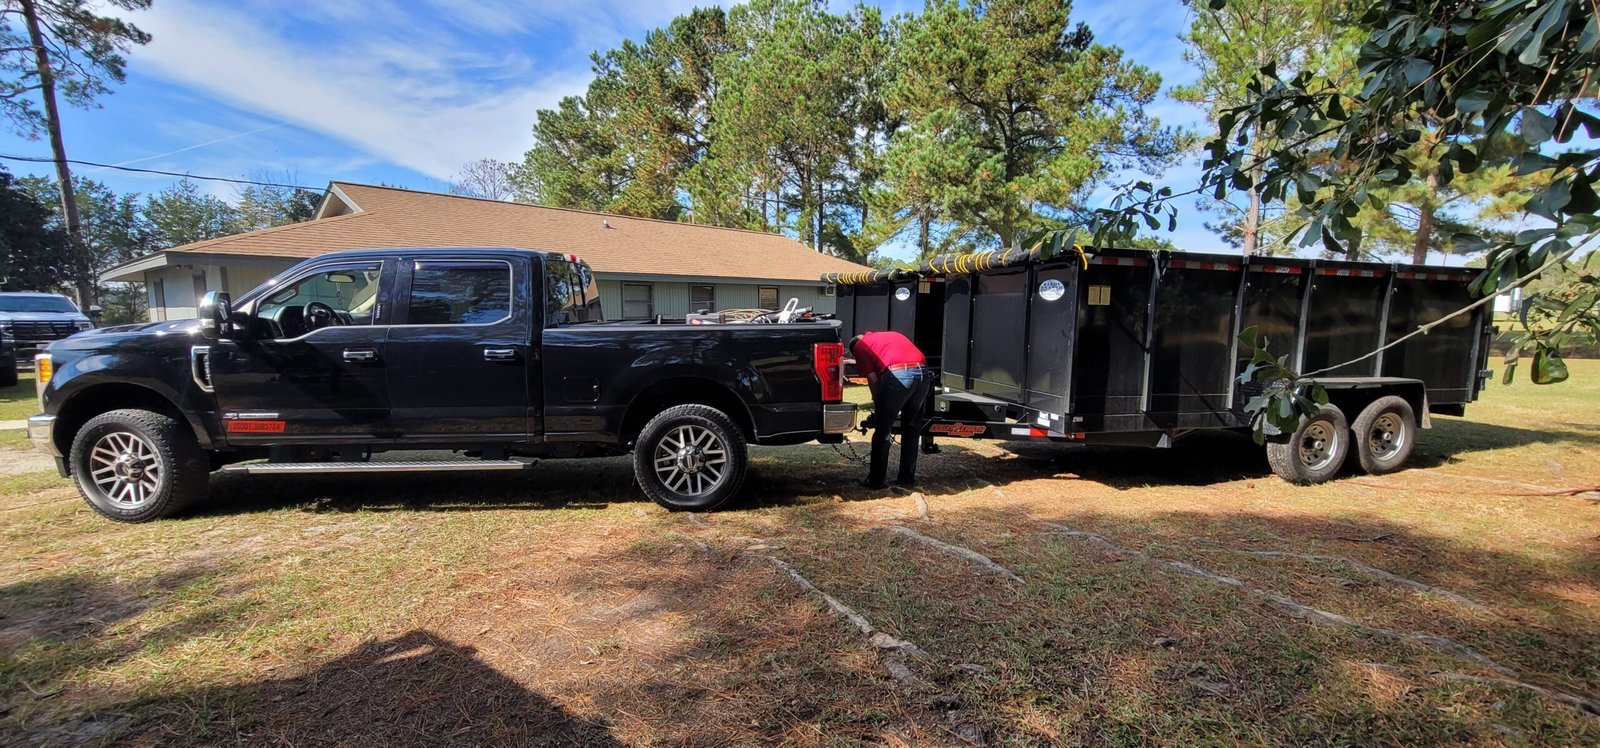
(158, 301)
(702, 298)
(637, 301)
(767, 297)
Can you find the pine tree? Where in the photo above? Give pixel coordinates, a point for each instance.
(1013, 111)
(182, 214)
(66, 50)
(1230, 45)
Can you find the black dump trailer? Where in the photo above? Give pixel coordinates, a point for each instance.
(1139, 348)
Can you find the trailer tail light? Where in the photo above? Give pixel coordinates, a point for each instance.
(828, 358)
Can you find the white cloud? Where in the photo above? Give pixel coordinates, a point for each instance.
(404, 83)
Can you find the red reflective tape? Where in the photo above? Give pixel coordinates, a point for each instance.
(255, 427)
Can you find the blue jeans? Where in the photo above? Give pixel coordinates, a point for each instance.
(901, 393)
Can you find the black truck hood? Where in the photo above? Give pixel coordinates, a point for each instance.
(172, 332)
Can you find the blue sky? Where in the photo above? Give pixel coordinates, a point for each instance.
(406, 92)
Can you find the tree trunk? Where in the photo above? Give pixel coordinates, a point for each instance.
(924, 226)
(1424, 236)
(820, 214)
(69, 203)
(1250, 226)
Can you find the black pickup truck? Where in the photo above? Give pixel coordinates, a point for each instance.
(491, 357)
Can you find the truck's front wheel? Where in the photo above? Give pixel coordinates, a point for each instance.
(690, 457)
(137, 465)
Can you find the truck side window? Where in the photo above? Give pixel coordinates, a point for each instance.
(459, 292)
(351, 291)
(558, 298)
(591, 294)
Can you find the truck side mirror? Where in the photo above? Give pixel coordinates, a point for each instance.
(215, 312)
(95, 312)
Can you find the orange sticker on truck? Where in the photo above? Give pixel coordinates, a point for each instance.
(255, 427)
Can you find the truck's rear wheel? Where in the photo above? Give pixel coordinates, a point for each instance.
(1386, 432)
(137, 465)
(1315, 451)
(690, 457)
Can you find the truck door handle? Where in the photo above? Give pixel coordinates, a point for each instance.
(360, 355)
(499, 354)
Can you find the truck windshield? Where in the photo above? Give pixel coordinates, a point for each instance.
(36, 304)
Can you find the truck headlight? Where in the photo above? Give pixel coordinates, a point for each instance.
(85, 325)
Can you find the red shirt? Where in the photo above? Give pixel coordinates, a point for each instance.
(878, 351)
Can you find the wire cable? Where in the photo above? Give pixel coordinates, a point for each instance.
(39, 160)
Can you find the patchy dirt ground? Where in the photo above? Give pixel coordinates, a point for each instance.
(1036, 596)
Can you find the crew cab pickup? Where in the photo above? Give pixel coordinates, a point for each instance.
(489, 358)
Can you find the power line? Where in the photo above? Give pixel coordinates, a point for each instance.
(39, 160)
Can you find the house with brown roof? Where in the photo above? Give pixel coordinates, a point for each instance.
(645, 267)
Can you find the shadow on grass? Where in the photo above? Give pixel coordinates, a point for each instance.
(413, 689)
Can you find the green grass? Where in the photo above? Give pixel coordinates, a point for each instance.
(18, 402)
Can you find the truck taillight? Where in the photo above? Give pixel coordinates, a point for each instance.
(828, 358)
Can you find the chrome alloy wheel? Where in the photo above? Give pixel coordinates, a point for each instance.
(1317, 445)
(1388, 436)
(125, 468)
(691, 460)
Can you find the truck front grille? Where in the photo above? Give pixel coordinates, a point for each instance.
(32, 331)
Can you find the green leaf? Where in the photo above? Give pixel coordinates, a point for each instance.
(1319, 394)
(1286, 407)
(1417, 70)
(1511, 372)
(1548, 368)
(1474, 101)
(1536, 127)
(1250, 337)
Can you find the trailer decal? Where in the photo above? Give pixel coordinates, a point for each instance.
(958, 429)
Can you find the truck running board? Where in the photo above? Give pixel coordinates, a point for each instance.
(413, 466)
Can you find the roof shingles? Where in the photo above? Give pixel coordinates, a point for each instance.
(391, 217)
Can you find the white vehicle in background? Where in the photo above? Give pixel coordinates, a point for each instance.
(35, 320)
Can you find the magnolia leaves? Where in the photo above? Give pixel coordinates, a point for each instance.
(1284, 397)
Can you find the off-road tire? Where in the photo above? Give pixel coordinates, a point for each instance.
(1385, 433)
(8, 375)
(665, 435)
(1299, 462)
(183, 464)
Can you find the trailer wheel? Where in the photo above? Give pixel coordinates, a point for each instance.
(1316, 450)
(136, 465)
(690, 457)
(1386, 432)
